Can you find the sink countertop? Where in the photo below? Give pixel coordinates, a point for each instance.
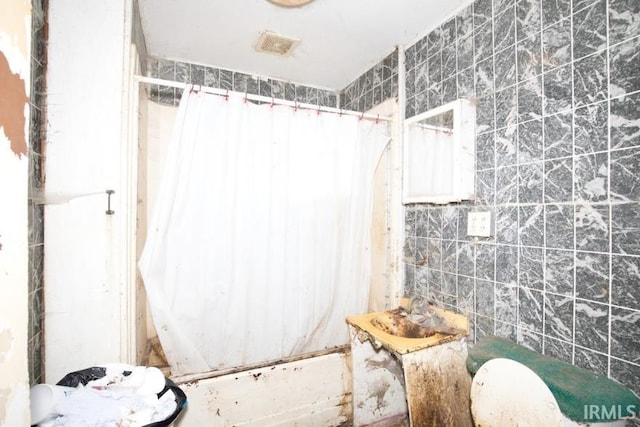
(401, 345)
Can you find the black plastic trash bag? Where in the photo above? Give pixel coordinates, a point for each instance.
(84, 376)
(74, 379)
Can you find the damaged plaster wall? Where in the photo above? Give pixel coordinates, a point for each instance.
(15, 23)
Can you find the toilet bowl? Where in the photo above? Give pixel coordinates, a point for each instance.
(515, 386)
(507, 393)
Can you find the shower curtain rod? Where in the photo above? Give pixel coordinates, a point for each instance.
(266, 99)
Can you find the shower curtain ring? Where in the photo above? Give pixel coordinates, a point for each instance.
(362, 116)
(226, 96)
(318, 112)
(272, 101)
(378, 119)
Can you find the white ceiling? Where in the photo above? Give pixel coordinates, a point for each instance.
(340, 39)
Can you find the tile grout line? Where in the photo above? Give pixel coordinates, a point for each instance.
(544, 179)
(517, 96)
(495, 146)
(573, 185)
(610, 222)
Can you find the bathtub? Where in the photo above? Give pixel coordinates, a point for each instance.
(314, 390)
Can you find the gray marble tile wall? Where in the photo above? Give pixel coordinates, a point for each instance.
(232, 80)
(374, 86)
(37, 130)
(557, 89)
(137, 35)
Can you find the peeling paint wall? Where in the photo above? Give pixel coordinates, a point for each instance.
(12, 102)
(15, 32)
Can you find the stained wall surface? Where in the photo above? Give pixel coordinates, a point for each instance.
(15, 31)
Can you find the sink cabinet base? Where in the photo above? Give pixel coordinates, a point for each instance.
(378, 384)
(438, 386)
(428, 387)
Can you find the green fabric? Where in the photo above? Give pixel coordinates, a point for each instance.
(572, 386)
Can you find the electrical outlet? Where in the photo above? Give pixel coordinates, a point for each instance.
(479, 224)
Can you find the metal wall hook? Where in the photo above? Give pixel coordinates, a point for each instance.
(109, 211)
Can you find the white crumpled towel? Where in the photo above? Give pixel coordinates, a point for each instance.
(117, 400)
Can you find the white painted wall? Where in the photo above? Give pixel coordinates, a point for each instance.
(15, 30)
(87, 276)
(155, 130)
(159, 128)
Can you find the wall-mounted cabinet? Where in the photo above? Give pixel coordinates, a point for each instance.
(439, 154)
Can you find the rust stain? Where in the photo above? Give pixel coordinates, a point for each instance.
(438, 393)
(345, 406)
(398, 420)
(13, 98)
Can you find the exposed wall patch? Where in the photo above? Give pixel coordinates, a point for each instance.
(6, 343)
(4, 401)
(13, 400)
(13, 99)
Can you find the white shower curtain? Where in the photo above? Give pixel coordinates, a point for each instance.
(258, 246)
(430, 165)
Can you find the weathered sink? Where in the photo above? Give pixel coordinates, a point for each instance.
(400, 335)
(407, 373)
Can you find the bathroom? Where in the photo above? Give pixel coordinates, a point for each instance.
(556, 90)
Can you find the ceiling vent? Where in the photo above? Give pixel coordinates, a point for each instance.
(290, 3)
(276, 44)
